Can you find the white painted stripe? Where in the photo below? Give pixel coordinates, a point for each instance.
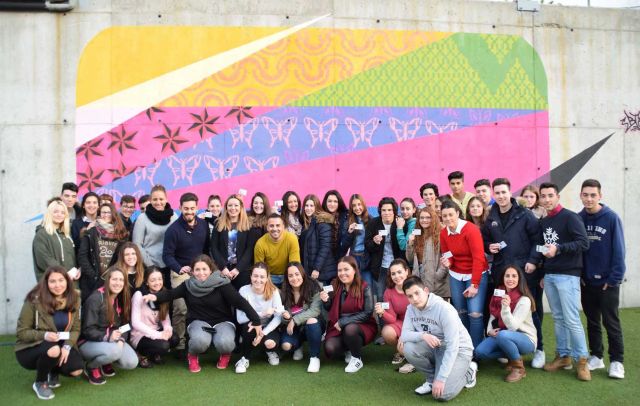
(102, 115)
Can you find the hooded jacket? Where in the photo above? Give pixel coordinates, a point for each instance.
(50, 250)
(604, 260)
(34, 321)
(317, 251)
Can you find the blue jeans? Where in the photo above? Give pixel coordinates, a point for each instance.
(277, 280)
(470, 309)
(510, 344)
(309, 332)
(563, 294)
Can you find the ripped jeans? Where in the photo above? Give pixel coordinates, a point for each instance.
(470, 309)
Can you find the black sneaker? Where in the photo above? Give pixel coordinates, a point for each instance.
(157, 359)
(43, 391)
(180, 354)
(107, 370)
(94, 375)
(53, 380)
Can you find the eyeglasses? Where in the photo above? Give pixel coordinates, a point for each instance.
(129, 207)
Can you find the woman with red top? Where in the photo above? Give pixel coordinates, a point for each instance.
(351, 324)
(463, 254)
(392, 310)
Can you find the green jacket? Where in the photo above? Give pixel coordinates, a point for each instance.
(34, 322)
(309, 310)
(52, 249)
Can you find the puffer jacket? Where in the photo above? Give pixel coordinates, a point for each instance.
(317, 253)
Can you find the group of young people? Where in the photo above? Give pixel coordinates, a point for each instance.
(455, 279)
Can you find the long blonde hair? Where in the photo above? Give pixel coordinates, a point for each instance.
(269, 287)
(224, 222)
(49, 225)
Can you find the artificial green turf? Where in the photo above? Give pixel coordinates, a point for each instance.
(290, 384)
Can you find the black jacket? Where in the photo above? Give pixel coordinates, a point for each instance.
(95, 326)
(244, 252)
(317, 251)
(567, 231)
(376, 251)
(521, 233)
(340, 249)
(89, 262)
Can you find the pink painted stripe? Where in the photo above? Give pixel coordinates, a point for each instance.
(514, 148)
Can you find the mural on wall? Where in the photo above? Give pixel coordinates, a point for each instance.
(379, 112)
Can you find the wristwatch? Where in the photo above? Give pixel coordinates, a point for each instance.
(67, 347)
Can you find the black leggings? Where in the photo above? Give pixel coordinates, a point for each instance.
(351, 339)
(37, 358)
(150, 348)
(248, 337)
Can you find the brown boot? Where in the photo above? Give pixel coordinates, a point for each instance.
(508, 366)
(582, 370)
(517, 371)
(557, 363)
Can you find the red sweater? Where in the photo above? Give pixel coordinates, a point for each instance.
(468, 251)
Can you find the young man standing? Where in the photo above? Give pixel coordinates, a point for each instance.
(565, 241)
(458, 194)
(434, 340)
(429, 194)
(603, 272)
(277, 248)
(510, 234)
(127, 207)
(483, 191)
(185, 239)
(69, 196)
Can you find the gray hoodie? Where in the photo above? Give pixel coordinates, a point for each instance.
(439, 319)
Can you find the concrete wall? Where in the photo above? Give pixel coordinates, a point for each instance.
(590, 56)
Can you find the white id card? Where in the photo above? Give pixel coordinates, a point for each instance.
(503, 245)
(384, 305)
(208, 214)
(73, 272)
(63, 335)
(383, 233)
(447, 255)
(328, 288)
(416, 231)
(358, 227)
(124, 329)
(242, 192)
(542, 249)
(499, 292)
(279, 203)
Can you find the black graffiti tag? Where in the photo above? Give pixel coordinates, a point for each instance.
(630, 121)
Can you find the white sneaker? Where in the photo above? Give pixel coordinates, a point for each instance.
(503, 360)
(273, 358)
(242, 365)
(423, 389)
(539, 358)
(594, 363)
(355, 364)
(347, 356)
(406, 368)
(616, 370)
(298, 354)
(314, 365)
(471, 375)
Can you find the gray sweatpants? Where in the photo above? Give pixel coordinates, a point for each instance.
(428, 360)
(224, 339)
(98, 353)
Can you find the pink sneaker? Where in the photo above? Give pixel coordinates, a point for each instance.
(223, 361)
(194, 364)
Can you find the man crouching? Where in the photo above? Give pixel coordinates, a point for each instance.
(435, 341)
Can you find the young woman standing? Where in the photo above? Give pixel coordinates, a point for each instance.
(52, 244)
(90, 205)
(333, 203)
(290, 212)
(406, 222)
(259, 213)
(316, 241)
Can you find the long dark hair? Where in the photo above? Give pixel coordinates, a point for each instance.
(284, 211)
(356, 289)
(307, 290)
(163, 307)
(139, 262)
(84, 200)
(522, 284)
(260, 220)
(123, 299)
(403, 264)
(120, 231)
(485, 212)
(41, 293)
(340, 211)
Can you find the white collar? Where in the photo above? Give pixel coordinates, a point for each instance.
(458, 229)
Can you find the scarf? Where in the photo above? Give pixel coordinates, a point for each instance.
(106, 230)
(159, 218)
(202, 288)
(496, 305)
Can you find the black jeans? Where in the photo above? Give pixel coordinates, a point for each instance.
(37, 358)
(247, 347)
(150, 348)
(601, 306)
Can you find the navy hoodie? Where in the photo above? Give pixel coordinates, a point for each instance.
(604, 261)
(566, 230)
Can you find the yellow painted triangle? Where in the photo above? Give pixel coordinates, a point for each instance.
(122, 57)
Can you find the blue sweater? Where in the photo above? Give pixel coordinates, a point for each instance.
(183, 243)
(604, 260)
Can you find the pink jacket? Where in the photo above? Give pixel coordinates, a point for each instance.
(144, 321)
